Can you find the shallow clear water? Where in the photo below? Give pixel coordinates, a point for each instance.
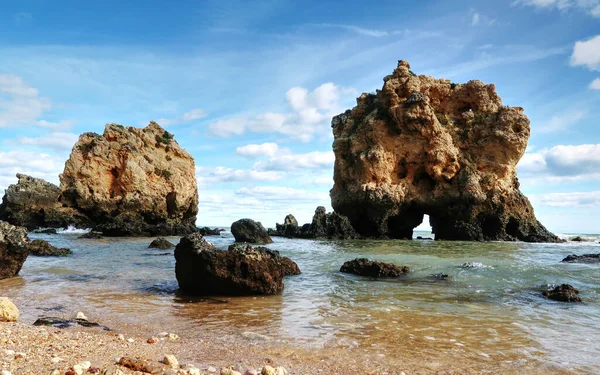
(493, 311)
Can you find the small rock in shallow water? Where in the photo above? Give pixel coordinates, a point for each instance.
(585, 258)
(161, 243)
(563, 293)
(365, 267)
(91, 235)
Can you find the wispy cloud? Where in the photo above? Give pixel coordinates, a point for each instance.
(189, 116)
(357, 29)
(591, 7)
(562, 121)
(595, 85)
(563, 163)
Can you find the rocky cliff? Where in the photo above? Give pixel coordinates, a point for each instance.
(126, 182)
(422, 145)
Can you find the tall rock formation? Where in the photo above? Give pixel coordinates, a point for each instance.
(125, 182)
(422, 145)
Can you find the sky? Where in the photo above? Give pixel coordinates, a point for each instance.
(249, 88)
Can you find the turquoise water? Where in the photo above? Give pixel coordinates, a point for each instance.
(491, 312)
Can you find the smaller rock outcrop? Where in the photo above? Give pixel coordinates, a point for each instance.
(13, 249)
(563, 293)
(8, 310)
(160, 243)
(44, 249)
(365, 267)
(91, 236)
(323, 226)
(46, 231)
(250, 231)
(202, 269)
(206, 231)
(585, 258)
(578, 239)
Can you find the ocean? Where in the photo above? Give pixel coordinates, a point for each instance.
(489, 312)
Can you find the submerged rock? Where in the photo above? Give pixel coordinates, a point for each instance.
(66, 323)
(202, 269)
(125, 182)
(365, 267)
(578, 239)
(160, 243)
(91, 236)
(43, 248)
(13, 249)
(422, 145)
(248, 230)
(46, 231)
(563, 293)
(206, 231)
(324, 225)
(8, 311)
(585, 258)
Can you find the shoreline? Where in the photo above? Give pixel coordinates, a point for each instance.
(41, 346)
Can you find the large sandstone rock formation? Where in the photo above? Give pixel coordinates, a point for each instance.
(14, 248)
(422, 145)
(202, 269)
(125, 182)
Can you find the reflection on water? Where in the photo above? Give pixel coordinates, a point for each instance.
(490, 312)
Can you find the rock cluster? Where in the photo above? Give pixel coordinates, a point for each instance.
(250, 231)
(126, 182)
(365, 267)
(160, 243)
(206, 231)
(14, 249)
(563, 293)
(44, 249)
(422, 145)
(324, 225)
(202, 269)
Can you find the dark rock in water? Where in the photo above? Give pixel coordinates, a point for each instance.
(44, 249)
(45, 231)
(440, 276)
(202, 269)
(66, 323)
(365, 267)
(13, 249)
(160, 243)
(248, 230)
(324, 225)
(424, 238)
(206, 231)
(585, 258)
(563, 293)
(578, 239)
(92, 236)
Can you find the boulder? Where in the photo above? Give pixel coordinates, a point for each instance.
(202, 269)
(46, 231)
(578, 239)
(8, 310)
(126, 182)
(206, 231)
(160, 243)
(91, 236)
(43, 248)
(563, 293)
(365, 267)
(585, 258)
(422, 145)
(13, 249)
(248, 230)
(323, 226)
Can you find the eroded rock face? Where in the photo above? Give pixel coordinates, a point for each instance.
(132, 182)
(365, 267)
(13, 249)
(202, 269)
(248, 230)
(44, 249)
(422, 145)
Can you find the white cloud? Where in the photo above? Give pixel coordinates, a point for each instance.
(287, 162)
(34, 164)
(595, 85)
(572, 199)
(20, 104)
(478, 19)
(591, 7)
(56, 126)
(563, 162)
(282, 193)
(206, 175)
(309, 115)
(357, 29)
(475, 19)
(587, 53)
(192, 115)
(562, 121)
(254, 150)
(58, 141)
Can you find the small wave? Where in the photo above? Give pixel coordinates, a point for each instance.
(71, 229)
(473, 265)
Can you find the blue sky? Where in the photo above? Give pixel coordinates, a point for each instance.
(249, 88)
